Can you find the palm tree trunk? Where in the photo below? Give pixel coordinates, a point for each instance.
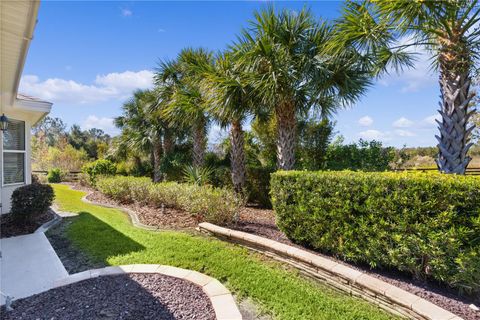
(157, 158)
(286, 130)
(167, 141)
(454, 139)
(237, 157)
(199, 142)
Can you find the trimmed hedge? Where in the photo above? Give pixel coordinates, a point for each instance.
(32, 199)
(427, 225)
(210, 204)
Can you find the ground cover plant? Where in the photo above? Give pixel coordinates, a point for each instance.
(423, 224)
(106, 235)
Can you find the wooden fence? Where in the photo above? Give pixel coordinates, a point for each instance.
(70, 176)
(470, 171)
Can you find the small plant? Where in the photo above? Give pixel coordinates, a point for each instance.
(32, 199)
(54, 175)
(197, 175)
(98, 168)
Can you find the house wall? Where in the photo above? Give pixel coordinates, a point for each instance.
(7, 190)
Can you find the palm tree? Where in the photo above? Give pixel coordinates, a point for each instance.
(142, 129)
(283, 55)
(229, 99)
(446, 29)
(186, 103)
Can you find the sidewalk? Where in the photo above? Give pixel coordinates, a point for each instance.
(28, 265)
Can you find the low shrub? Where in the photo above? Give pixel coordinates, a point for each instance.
(427, 225)
(32, 199)
(208, 203)
(54, 175)
(98, 168)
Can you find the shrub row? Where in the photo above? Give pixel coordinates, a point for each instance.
(211, 204)
(425, 225)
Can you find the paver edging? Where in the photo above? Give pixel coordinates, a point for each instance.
(338, 275)
(131, 214)
(220, 297)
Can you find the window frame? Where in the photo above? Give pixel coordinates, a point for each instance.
(24, 152)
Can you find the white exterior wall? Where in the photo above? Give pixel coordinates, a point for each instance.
(7, 190)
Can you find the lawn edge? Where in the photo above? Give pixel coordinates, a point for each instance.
(339, 276)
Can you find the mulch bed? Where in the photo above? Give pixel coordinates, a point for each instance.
(120, 297)
(162, 218)
(261, 222)
(9, 227)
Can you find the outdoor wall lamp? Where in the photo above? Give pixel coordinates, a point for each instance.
(3, 122)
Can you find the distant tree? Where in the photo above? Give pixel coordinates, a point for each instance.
(313, 140)
(50, 130)
(142, 129)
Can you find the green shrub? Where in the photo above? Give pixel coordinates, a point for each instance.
(32, 199)
(98, 168)
(54, 175)
(425, 224)
(210, 204)
(258, 185)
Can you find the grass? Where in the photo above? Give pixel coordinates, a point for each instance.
(106, 235)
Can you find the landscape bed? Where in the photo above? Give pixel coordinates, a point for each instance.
(106, 235)
(133, 296)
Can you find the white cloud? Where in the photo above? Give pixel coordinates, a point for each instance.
(430, 121)
(365, 121)
(403, 123)
(127, 12)
(161, 30)
(372, 134)
(413, 79)
(104, 123)
(116, 86)
(127, 80)
(405, 133)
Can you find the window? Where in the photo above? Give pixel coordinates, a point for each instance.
(14, 152)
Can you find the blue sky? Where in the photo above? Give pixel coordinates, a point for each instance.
(87, 58)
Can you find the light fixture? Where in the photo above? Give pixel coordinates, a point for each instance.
(3, 122)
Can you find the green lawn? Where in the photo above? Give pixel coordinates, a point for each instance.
(106, 235)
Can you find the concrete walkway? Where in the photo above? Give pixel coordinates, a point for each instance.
(28, 265)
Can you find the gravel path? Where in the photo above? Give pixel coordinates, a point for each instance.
(121, 297)
(261, 222)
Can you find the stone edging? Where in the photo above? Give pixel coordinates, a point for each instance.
(340, 276)
(131, 214)
(221, 299)
(47, 225)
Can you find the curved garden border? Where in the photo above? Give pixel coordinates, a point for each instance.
(221, 299)
(131, 214)
(337, 275)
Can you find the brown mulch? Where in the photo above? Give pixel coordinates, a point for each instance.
(261, 222)
(10, 227)
(162, 218)
(122, 297)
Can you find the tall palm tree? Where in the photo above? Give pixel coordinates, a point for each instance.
(449, 31)
(283, 54)
(142, 129)
(229, 99)
(186, 102)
